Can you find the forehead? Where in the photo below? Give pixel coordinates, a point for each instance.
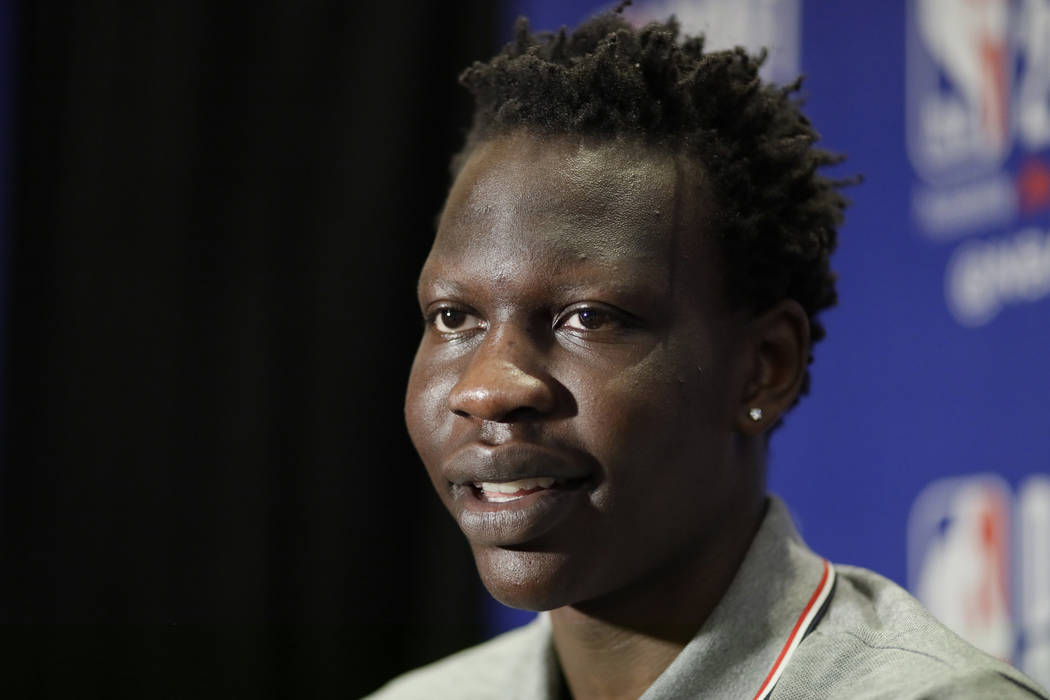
(621, 207)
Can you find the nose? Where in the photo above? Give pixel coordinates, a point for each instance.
(504, 381)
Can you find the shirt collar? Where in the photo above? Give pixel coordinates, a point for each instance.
(759, 620)
(776, 597)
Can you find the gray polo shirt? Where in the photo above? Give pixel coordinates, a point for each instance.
(790, 626)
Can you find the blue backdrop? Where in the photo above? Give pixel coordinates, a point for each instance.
(924, 449)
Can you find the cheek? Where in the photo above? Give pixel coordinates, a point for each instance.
(415, 404)
(659, 431)
(426, 411)
(654, 409)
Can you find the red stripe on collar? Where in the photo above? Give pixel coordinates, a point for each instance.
(802, 626)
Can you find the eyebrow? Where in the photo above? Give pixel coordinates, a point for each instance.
(607, 284)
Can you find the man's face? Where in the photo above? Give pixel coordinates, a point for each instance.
(574, 393)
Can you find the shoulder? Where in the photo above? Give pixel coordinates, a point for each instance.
(877, 641)
(474, 672)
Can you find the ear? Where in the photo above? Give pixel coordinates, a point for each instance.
(778, 346)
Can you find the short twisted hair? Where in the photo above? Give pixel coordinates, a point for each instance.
(775, 217)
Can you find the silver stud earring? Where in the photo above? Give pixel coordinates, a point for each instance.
(756, 414)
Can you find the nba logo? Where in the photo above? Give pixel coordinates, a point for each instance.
(958, 558)
(959, 86)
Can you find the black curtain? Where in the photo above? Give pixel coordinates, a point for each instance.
(219, 213)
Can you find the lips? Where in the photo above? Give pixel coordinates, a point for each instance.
(512, 494)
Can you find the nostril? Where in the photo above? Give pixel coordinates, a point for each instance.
(461, 413)
(521, 414)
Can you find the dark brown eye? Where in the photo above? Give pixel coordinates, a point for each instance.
(453, 318)
(449, 320)
(588, 319)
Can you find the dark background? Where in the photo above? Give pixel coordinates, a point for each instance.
(219, 213)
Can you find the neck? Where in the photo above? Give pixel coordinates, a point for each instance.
(617, 646)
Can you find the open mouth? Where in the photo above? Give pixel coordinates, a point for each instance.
(506, 491)
(516, 511)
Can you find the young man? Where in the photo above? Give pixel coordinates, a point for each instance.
(620, 302)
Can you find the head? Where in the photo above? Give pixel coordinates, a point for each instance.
(631, 258)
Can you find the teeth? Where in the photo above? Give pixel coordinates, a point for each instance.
(502, 491)
(543, 482)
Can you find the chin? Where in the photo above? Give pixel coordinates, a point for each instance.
(526, 580)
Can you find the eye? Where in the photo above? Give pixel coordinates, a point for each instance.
(590, 319)
(452, 320)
